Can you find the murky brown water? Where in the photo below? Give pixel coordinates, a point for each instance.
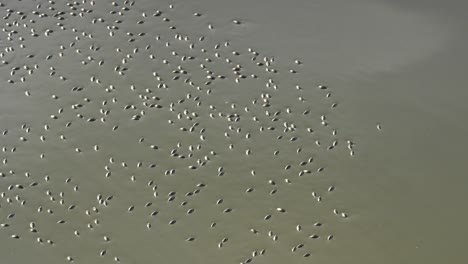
(231, 132)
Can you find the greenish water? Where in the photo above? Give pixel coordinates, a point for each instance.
(135, 135)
